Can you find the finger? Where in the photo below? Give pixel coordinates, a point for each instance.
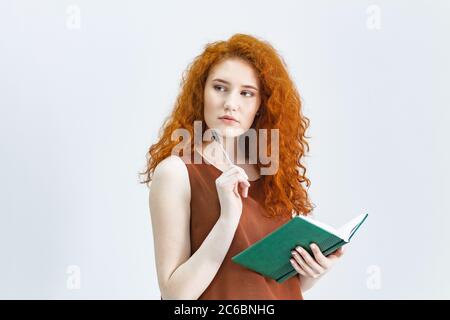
(244, 187)
(337, 254)
(242, 171)
(310, 272)
(310, 260)
(230, 183)
(340, 251)
(224, 179)
(235, 189)
(245, 191)
(297, 267)
(236, 180)
(241, 187)
(318, 255)
(232, 179)
(230, 171)
(235, 172)
(235, 169)
(242, 183)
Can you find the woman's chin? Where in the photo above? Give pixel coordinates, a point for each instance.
(230, 131)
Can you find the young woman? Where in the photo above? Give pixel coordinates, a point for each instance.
(205, 211)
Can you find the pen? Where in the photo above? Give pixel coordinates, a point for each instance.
(216, 137)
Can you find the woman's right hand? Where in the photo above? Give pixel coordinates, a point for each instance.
(228, 191)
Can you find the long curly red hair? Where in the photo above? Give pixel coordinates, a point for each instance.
(281, 109)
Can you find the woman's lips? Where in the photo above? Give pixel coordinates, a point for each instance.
(228, 121)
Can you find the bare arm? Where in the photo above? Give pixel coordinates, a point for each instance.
(181, 276)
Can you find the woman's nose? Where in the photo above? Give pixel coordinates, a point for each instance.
(231, 102)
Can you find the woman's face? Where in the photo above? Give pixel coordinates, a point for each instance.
(232, 89)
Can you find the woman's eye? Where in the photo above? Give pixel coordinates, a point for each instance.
(216, 87)
(221, 88)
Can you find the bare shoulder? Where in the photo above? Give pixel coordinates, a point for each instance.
(171, 167)
(171, 178)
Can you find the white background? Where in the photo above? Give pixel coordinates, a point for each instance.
(83, 96)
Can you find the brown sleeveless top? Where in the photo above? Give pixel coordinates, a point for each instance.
(233, 281)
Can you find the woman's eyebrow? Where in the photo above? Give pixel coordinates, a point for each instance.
(244, 86)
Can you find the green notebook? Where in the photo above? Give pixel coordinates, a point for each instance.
(270, 255)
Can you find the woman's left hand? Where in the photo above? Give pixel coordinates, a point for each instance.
(316, 266)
